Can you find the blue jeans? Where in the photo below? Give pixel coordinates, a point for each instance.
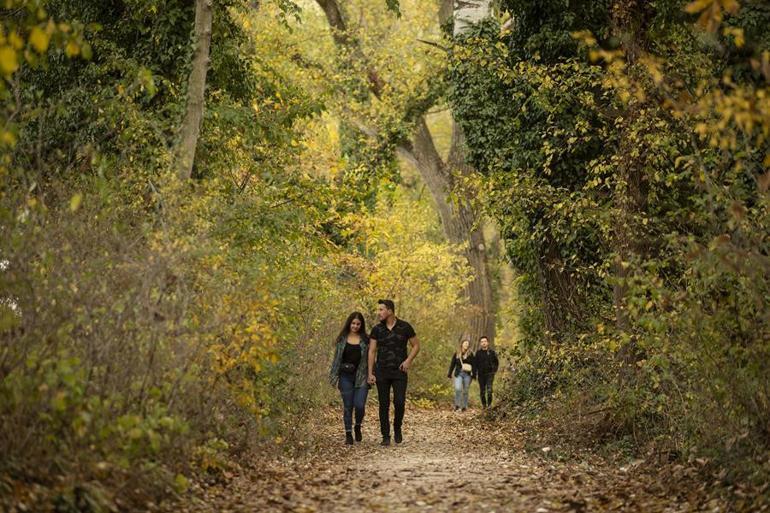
(352, 398)
(462, 387)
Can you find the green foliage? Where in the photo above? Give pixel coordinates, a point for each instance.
(626, 163)
(146, 324)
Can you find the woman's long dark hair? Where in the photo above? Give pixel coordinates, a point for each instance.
(346, 328)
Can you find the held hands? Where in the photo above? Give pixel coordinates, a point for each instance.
(372, 380)
(405, 365)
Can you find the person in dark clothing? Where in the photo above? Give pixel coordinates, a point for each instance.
(462, 370)
(485, 369)
(349, 371)
(388, 348)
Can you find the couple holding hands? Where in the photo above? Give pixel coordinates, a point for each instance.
(378, 358)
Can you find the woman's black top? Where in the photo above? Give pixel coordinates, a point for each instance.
(456, 366)
(352, 354)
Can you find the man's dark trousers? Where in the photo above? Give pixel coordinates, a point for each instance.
(387, 379)
(485, 387)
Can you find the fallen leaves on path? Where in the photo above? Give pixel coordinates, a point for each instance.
(448, 462)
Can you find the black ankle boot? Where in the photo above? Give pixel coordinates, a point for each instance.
(359, 436)
(397, 437)
(348, 438)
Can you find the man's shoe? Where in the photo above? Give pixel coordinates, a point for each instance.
(398, 437)
(348, 438)
(385, 442)
(359, 436)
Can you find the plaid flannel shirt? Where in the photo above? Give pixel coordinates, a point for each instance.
(361, 372)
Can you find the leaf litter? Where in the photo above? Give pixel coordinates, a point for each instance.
(447, 462)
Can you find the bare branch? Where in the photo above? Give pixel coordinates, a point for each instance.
(433, 43)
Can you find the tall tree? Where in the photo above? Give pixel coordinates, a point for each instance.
(466, 13)
(627, 25)
(469, 12)
(461, 222)
(196, 90)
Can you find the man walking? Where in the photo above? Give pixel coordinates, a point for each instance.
(388, 346)
(486, 367)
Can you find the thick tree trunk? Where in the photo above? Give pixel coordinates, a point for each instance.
(469, 12)
(460, 223)
(627, 24)
(559, 291)
(196, 89)
(466, 13)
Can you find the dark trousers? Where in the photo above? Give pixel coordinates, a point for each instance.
(352, 398)
(485, 387)
(396, 380)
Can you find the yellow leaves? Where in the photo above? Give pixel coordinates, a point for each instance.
(72, 49)
(86, 52)
(7, 138)
(15, 41)
(697, 6)
(9, 61)
(738, 36)
(654, 67)
(245, 345)
(730, 6)
(75, 201)
(39, 32)
(39, 40)
(711, 12)
(597, 54)
(181, 483)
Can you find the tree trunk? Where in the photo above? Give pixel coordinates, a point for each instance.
(627, 24)
(469, 12)
(196, 89)
(460, 223)
(467, 222)
(560, 300)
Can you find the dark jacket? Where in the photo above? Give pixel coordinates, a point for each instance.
(486, 362)
(456, 367)
(361, 371)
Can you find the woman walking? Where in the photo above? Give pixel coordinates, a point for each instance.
(461, 369)
(349, 372)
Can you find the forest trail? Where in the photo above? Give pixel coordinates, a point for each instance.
(448, 462)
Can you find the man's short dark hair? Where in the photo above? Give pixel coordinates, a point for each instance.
(388, 304)
(482, 337)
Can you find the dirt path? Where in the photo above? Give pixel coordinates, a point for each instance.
(446, 463)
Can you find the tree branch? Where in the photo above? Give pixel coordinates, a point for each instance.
(433, 43)
(342, 37)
